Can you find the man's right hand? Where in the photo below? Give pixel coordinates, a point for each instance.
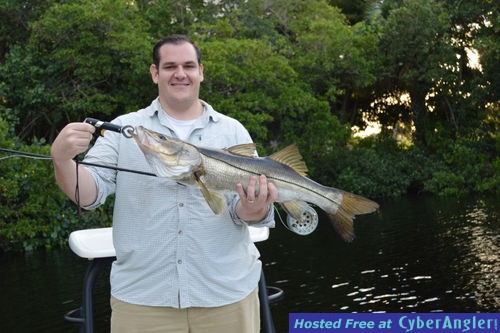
(73, 139)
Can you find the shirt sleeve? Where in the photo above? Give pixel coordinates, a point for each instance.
(268, 221)
(103, 190)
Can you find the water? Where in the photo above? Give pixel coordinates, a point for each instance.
(417, 255)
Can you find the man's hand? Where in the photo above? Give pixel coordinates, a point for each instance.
(254, 205)
(73, 139)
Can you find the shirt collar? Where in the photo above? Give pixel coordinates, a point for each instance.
(208, 111)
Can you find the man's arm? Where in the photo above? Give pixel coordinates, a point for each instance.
(73, 140)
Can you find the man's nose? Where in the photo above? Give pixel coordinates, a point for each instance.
(179, 72)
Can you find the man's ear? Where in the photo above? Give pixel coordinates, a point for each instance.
(201, 73)
(154, 73)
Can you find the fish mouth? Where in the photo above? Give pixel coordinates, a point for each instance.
(168, 157)
(170, 149)
(155, 142)
(144, 139)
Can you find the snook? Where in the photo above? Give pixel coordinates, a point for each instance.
(216, 172)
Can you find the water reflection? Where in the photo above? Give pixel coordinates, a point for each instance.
(419, 255)
(39, 288)
(475, 237)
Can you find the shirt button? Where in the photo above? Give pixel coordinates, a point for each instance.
(179, 261)
(181, 204)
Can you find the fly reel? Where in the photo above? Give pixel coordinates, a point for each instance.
(307, 223)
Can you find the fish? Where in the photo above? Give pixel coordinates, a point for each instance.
(217, 171)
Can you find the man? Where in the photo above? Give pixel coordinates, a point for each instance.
(179, 267)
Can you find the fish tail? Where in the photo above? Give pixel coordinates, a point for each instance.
(350, 206)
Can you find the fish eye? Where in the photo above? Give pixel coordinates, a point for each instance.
(162, 137)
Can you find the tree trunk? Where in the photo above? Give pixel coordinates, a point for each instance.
(419, 113)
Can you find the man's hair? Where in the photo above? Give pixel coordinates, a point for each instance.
(173, 39)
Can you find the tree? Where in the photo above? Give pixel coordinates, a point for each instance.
(335, 58)
(176, 16)
(249, 80)
(354, 10)
(417, 56)
(473, 29)
(83, 59)
(33, 211)
(16, 17)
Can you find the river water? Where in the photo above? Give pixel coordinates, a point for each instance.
(422, 254)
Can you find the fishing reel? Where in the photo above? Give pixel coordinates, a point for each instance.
(307, 223)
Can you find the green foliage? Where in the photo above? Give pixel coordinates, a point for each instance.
(335, 59)
(332, 53)
(292, 71)
(174, 16)
(382, 168)
(416, 51)
(414, 41)
(250, 81)
(16, 16)
(236, 80)
(33, 211)
(465, 169)
(83, 58)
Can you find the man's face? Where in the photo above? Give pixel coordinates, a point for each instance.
(179, 75)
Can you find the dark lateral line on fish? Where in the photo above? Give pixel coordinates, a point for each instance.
(275, 178)
(47, 157)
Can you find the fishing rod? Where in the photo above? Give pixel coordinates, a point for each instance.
(126, 131)
(305, 227)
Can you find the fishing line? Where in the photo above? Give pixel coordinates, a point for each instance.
(281, 219)
(18, 153)
(77, 189)
(32, 157)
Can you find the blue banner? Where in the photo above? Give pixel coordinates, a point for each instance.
(393, 322)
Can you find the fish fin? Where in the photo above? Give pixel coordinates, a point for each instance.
(246, 149)
(215, 200)
(291, 157)
(350, 206)
(295, 209)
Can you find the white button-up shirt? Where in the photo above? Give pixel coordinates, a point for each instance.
(171, 249)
